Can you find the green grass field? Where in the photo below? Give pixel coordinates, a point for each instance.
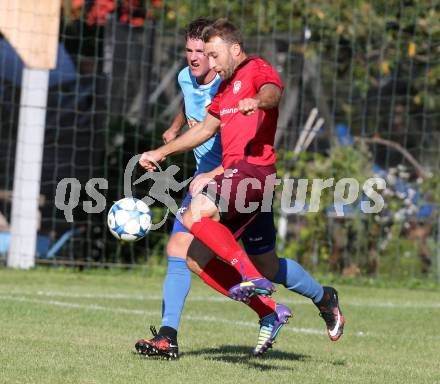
(67, 327)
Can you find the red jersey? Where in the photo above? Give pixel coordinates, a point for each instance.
(246, 137)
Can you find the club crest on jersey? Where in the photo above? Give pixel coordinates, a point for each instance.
(237, 86)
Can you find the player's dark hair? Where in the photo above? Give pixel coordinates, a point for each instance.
(225, 30)
(195, 28)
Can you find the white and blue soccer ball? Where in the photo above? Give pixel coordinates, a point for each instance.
(129, 219)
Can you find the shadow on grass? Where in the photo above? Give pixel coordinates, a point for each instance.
(241, 354)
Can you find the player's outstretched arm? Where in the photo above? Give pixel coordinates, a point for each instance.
(190, 139)
(268, 97)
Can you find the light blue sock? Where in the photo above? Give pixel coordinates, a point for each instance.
(296, 279)
(175, 289)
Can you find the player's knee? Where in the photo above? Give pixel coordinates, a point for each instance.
(177, 246)
(173, 249)
(200, 207)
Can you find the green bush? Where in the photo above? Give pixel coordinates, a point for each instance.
(361, 243)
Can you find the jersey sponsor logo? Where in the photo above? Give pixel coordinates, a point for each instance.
(237, 86)
(227, 111)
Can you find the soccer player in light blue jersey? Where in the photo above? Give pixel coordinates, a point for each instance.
(199, 85)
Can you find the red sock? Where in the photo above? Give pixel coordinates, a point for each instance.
(222, 276)
(222, 242)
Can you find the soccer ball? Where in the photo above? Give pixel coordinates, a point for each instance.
(129, 219)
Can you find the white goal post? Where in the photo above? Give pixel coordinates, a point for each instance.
(32, 28)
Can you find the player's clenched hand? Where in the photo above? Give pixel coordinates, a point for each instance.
(150, 159)
(199, 182)
(169, 135)
(248, 106)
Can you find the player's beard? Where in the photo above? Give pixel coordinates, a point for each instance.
(227, 74)
(229, 70)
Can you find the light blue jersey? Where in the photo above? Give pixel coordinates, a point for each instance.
(197, 98)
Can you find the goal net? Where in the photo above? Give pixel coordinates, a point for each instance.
(371, 69)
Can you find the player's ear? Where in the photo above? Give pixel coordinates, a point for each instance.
(235, 49)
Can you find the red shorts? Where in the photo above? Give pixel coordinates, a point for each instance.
(241, 193)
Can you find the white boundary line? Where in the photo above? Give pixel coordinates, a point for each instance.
(208, 319)
(124, 296)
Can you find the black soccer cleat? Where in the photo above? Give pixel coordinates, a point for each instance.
(159, 345)
(331, 313)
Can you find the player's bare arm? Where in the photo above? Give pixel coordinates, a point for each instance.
(268, 97)
(189, 140)
(175, 128)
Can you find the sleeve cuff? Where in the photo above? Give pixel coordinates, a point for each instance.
(216, 115)
(281, 87)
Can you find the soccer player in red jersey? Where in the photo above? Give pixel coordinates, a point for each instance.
(199, 85)
(245, 110)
